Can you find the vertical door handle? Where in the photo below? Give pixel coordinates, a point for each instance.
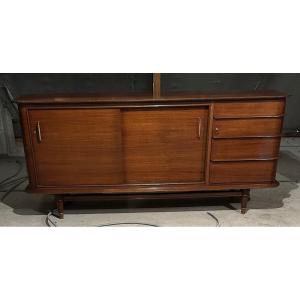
(199, 128)
(38, 132)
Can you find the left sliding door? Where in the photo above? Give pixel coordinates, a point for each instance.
(76, 146)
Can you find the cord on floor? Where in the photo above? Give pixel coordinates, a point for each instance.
(215, 218)
(19, 182)
(127, 223)
(50, 223)
(3, 189)
(4, 181)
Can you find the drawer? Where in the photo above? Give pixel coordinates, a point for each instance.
(244, 149)
(249, 108)
(243, 172)
(260, 127)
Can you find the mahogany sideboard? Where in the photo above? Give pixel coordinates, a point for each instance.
(138, 144)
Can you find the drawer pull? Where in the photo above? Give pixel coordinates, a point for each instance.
(38, 132)
(199, 128)
(217, 130)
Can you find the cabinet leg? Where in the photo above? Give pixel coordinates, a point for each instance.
(60, 206)
(245, 197)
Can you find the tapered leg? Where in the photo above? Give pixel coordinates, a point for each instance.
(60, 206)
(245, 197)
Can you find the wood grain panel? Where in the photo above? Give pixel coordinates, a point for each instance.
(249, 108)
(245, 149)
(149, 188)
(136, 97)
(242, 172)
(78, 146)
(164, 145)
(262, 127)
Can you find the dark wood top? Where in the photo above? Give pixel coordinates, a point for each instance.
(134, 97)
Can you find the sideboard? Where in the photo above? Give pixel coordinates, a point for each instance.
(139, 144)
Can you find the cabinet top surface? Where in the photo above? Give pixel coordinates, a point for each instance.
(146, 97)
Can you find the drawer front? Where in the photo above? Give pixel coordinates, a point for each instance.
(261, 127)
(242, 172)
(249, 108)
(245, 149)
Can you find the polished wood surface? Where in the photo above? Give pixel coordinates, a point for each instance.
(148, 97)
(77, 147)
(242, 172)
(234, 128)
(242, 109)
(165, 145)
(130, 144)
(173, 187)
(245, 149)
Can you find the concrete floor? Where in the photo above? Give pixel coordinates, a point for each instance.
(268, 207)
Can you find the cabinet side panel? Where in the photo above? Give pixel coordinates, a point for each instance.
(28, 147)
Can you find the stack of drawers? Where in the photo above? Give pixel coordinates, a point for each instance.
(245, 141)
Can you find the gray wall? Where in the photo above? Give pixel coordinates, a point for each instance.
(20, 84)
(289, 83)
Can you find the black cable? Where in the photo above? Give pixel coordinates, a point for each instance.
(215, 218)
(12, 189)
(11, 99)
(2, 189)
(127, 223)
(14, 175)
(54, 224)
(48, 221)
(124, 223)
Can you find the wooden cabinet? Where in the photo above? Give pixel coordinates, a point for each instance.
(140, 144)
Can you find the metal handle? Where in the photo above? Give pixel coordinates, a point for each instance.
(217, 130)
(38, 132)
(199, 128)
